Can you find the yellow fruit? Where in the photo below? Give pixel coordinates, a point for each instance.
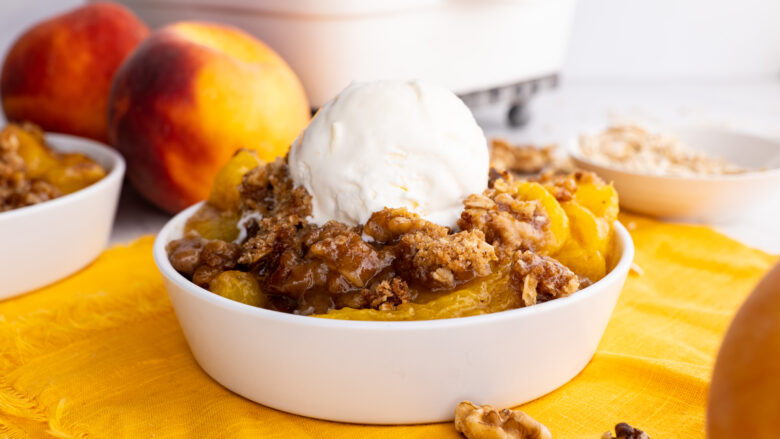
(218, 219)
(74, 172)
(211, 223)
(37, 158)
(239, 286)
(485, 295)
(559, 222)
(224, 190)
(591, 213)
(584, 252)
(582, 261)
(601, 199)
(67, 172)
(585, 228)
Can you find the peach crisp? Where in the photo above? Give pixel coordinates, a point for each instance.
(31, 172)
(518, 243)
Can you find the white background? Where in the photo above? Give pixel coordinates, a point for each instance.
(660, 40)
(623, 40)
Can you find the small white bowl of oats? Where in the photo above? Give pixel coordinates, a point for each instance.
(691, 174)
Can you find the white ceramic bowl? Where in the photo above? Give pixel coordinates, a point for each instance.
(46, 242)
(390, 372)
(707, 199)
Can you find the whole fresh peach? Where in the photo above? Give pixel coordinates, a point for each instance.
(743, 399)
(189, 97)
(58, 74)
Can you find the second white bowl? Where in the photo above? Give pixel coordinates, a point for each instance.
(43, 243)
(706, 198)
(390, 372)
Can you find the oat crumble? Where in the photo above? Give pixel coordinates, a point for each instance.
(634, 149)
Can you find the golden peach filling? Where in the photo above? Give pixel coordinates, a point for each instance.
(519, 243)
(31, 172)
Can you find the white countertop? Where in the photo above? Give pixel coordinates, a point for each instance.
(559, 115)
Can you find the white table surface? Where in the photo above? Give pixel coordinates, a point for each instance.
(558, 115)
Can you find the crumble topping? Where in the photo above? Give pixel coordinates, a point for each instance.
(346, 253)
(17, 188)
(387, 295)
(441, 263)
(31, 172)
(397, 257)
(523, 159)
(508, 223)
(528, 159)
(388, 225)
(541, 278)
(270, 191)
(202, 259)
(634, 149)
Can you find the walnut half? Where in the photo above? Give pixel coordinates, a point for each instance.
(625, 431)
(485, 422)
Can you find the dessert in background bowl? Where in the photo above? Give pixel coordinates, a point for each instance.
(58, 196)
(31, 172)
(696, 174)
(385, 209)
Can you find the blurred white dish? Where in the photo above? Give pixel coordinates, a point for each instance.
(46, 242)
(390, 372)
(706, 198)
(466, 45)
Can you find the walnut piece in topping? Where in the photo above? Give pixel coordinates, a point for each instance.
(332, 258)
(387, 225)
(388, 294)
(509, 223)
(495, 175)
(625, 431)
(270, 191)
(202, 259)
(444, 262)
(534, 276)
(346, 253)
(276, 234)
(184, 254)
(485, 422)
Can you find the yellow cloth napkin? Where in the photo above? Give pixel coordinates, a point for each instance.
(101, 355)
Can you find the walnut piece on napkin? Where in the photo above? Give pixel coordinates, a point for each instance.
(485, 422)
(625, 431)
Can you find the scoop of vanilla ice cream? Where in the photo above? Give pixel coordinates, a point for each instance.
(390, 144)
